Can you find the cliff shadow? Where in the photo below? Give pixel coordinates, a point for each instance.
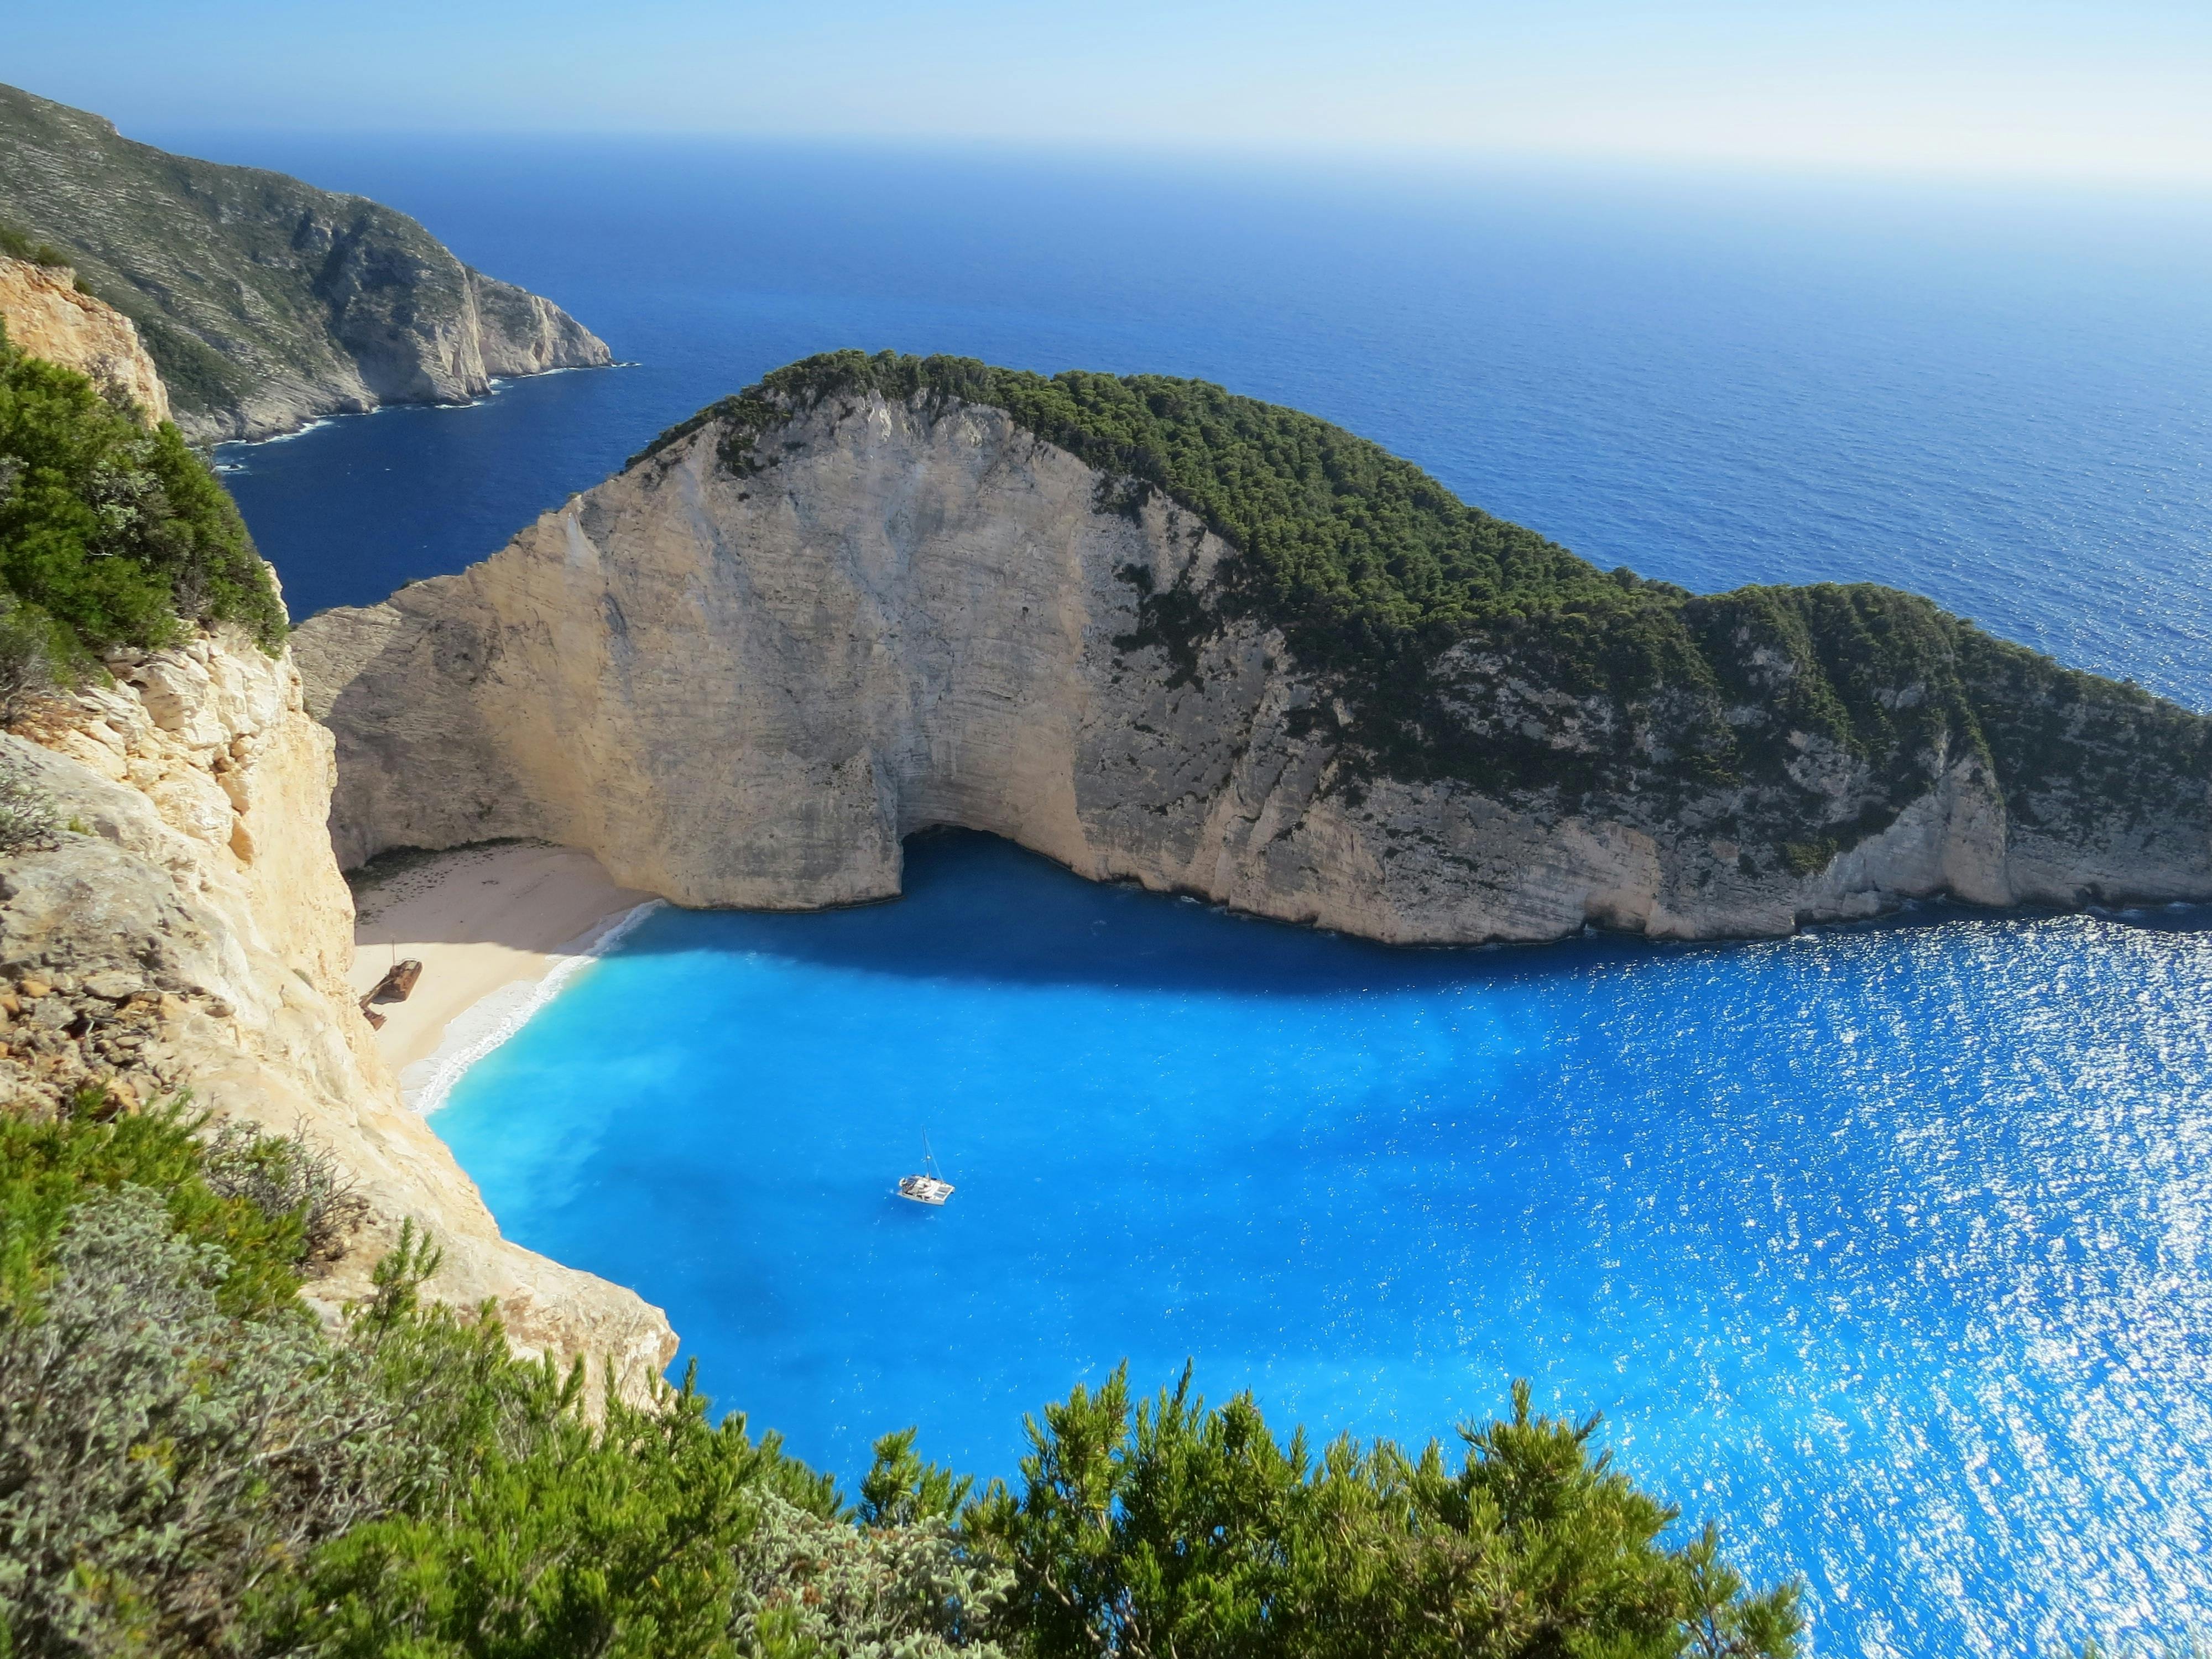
(977, 908)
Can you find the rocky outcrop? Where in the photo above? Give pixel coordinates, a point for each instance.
(48, 317)
(266, 302)
(741, 672)
(188, 930)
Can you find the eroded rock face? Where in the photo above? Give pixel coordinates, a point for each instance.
(48, 317)
(744, 684)
(189, 931)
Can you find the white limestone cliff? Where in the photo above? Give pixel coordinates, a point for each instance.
(745, 686)
(189, 930)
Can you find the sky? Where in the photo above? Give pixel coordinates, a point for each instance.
(2116, 92)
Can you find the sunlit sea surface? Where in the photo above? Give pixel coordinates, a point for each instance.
(1885, 1247)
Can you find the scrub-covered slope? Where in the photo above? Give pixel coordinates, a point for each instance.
(265, 301)
(1161, 632)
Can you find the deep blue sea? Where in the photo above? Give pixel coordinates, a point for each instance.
(1887, 1247)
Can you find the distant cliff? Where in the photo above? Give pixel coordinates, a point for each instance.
(1160, 633)
(266, 302)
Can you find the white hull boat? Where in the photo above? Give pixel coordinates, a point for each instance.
(924, 1189)
(929, 1187)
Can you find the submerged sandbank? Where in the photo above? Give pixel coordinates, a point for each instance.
(496, 928)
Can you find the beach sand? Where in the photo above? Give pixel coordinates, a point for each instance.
(489, 924)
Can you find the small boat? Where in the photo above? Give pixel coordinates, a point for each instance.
(929, 1187)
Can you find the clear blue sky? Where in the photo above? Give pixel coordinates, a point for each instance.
(2120, 90)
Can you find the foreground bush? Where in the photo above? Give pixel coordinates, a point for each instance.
(189, 1464)
(1171, 1527)
(157, 1457)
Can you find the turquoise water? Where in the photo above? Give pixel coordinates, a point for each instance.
(1888, 1246)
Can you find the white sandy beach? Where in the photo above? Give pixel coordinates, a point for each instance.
(490, 925)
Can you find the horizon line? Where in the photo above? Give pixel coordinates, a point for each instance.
(1341, 158)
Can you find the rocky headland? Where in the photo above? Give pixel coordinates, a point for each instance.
(267, 303)
(1164, 634)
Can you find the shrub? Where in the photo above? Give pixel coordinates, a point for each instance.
(29, 668)
(158, 1456)
(28, 817)
(908, 1590)
(556, 1538)
(1172, 1527)
(47, 1167)
(286, 1177)
(113, 532)
(18, 245)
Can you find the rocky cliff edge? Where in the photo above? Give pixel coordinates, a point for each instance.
(49, 317)
(268, 303)
(188, 930)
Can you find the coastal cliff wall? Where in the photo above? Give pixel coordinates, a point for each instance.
(47, 317)
(188, 930)
(742, 671)
(268, 303)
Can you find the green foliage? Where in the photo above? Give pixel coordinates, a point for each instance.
(908, 1590)
(902, 1489)
(34, 653)
(282, 1177)
(1171, 1527)
(159, 1455)
(48, 1168)
(109, 533)
(563, 1540)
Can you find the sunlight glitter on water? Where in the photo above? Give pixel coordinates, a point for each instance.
(1886, 1247)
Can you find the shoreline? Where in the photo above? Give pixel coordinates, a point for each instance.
(499, 929)
(498, 384)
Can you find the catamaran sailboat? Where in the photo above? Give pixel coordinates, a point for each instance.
(929, 1187)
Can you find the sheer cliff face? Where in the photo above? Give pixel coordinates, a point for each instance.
(190, 931)
(744, 684)
(268, 303)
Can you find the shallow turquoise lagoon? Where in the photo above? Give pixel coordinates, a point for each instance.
(1888, 1246)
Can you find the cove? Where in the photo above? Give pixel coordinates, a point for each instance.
(1886, 1246)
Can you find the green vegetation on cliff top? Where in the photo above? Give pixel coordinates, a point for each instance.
(191, 1463)
(16, 245)
(111, 534)
(1421, 610)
